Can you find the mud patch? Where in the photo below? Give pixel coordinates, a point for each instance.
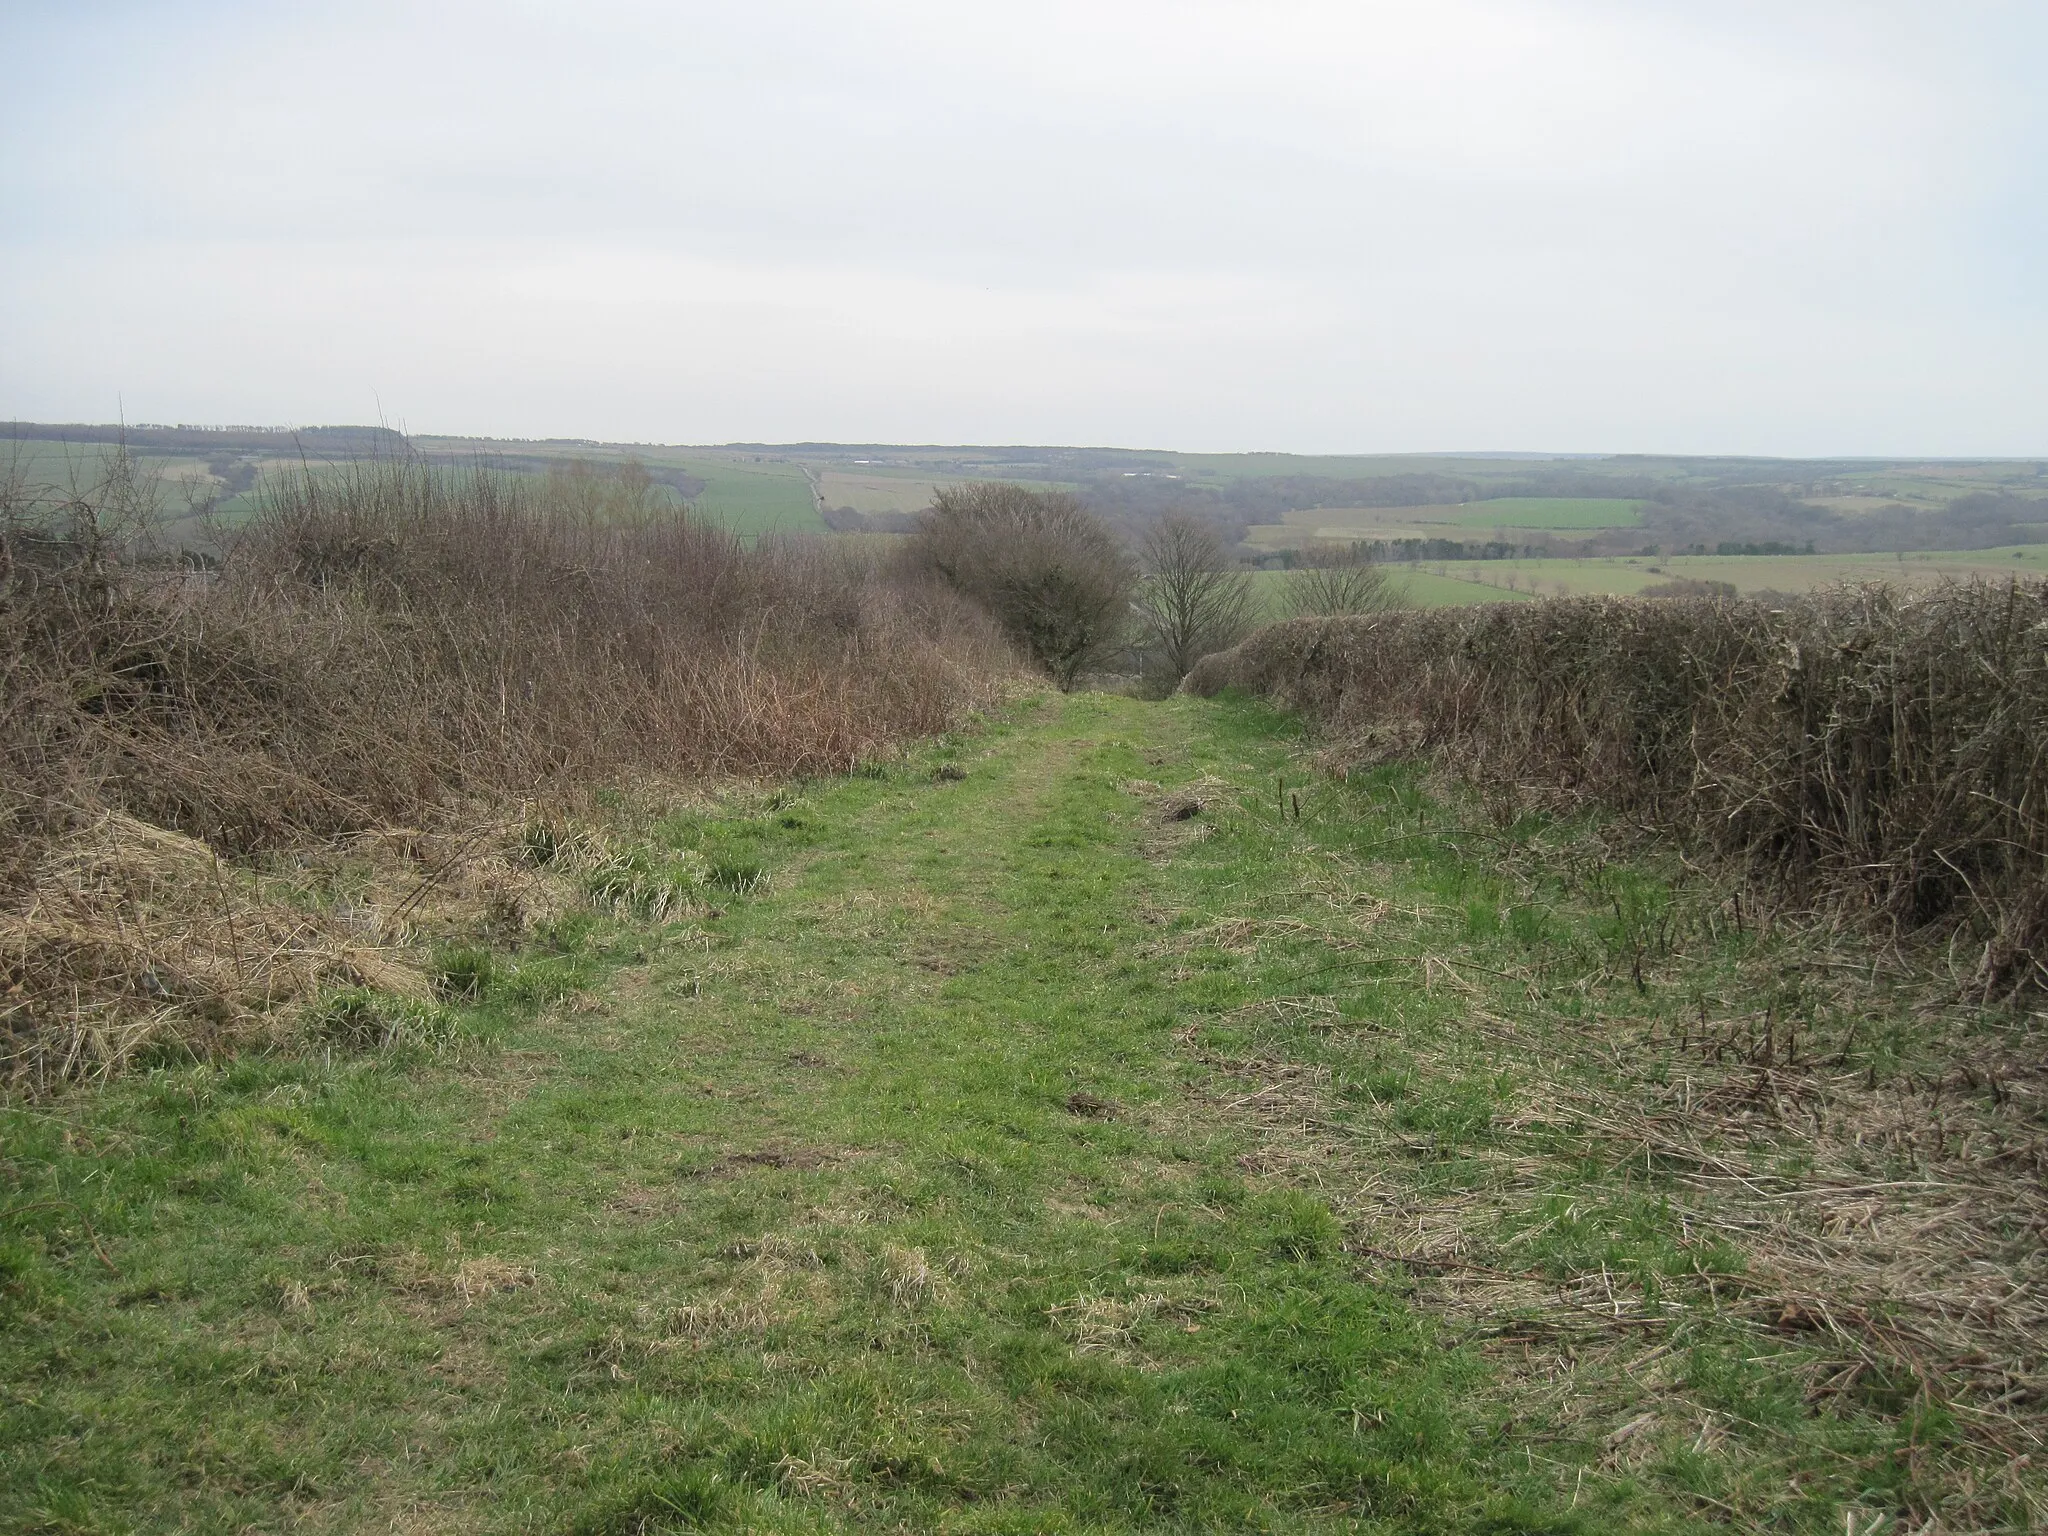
(772, 1156)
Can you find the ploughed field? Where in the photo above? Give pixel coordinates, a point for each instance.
(1104, 1119)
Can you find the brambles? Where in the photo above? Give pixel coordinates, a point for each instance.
(1879, 751)
(1046, 568)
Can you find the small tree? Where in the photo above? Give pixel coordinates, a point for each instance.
(1334, 580)
(1054, 577)
(1193, 599)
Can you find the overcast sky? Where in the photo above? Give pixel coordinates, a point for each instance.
(1626, 225)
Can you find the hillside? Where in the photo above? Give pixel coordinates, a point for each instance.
(1493, 515)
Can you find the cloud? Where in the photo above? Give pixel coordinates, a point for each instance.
(1207, 223)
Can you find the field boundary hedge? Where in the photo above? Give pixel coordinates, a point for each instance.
(1862, 748)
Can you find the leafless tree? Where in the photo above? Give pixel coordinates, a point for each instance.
(1338, 579)
(1055, 578)
(1193, 599)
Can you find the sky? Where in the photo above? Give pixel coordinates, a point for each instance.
(1803, 227)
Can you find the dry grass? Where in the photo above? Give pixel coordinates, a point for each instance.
(913, 1282)
(1878, 752)
(388, 647)
(1888, 1229)
(1110, 1325)
(1842, 1160)
(131, 933)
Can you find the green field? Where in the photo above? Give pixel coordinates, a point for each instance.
(1413, 588)
(51, 463)
(81, 467)
(1550, 512)
(1627, 575)
(1015, 1153)
(173, 483)
(754, 497)
(751, 494)
(878, 490)
(1425, 589)
(1224, 468)
(1454, 583)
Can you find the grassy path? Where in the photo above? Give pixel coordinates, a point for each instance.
(1018, 1158)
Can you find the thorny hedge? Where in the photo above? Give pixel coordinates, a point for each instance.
(1865, 749)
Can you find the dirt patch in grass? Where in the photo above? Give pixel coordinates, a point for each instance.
(1089, 1106)
(774, 1157)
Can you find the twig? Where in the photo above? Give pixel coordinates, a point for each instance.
(65, 1205)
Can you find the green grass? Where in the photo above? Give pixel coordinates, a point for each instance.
(1628, 575)
(1424, 589)
(749, 496)
(45, 462)
(1551, 512)
(1415, 587)
(753, 498)
(81, 467)
(1001, 1158)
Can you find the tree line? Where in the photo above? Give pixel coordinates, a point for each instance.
(1076, 598)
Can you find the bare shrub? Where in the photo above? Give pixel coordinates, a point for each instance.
(1337, 579)
(1883, 751)
(1052, 574)
(1193, 598)
(385, 641)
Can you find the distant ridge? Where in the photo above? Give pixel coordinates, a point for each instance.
(207, 439)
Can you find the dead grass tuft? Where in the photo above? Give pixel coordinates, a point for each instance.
(1176, 817)
(816, 1476)
(913, 1283)
(471, 1280)
(482, 1276)
(775, 1253)
(721, 1317)
(130, 936)
(1108, 1325)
